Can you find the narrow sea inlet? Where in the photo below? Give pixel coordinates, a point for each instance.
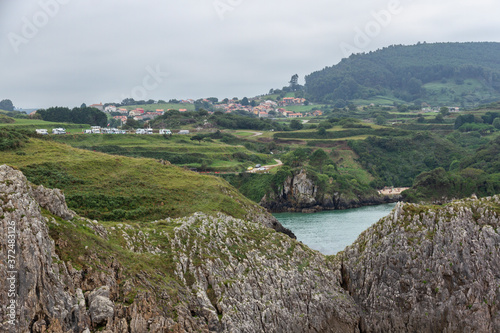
(331, 231)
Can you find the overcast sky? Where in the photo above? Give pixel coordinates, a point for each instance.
(68, 52)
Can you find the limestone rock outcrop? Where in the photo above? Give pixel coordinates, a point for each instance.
(228, 275)
(53, 200)
(40, 296)
(299, 193)
(420, 269)
(428, 269)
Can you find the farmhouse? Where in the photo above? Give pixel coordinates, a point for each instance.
(110, 108)
(99, 106)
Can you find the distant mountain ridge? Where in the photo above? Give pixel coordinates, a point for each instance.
(466, 74)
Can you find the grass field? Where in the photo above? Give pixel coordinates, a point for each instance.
(180, 150)
(115, 188)
(35, 123)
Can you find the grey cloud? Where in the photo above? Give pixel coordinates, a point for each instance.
(97, 51)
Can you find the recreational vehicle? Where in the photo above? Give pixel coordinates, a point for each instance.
(59, 130)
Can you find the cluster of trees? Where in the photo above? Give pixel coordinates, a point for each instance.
(318, 158)
(477, 174)
(439, 184)
(235, 121)
(6, 105)
(81, 115)
(131, 101)
(485, 124)
(175, 119)
(397, 161)
(401, 71)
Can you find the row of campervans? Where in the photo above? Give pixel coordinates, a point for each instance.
(43, 131)
(144, 131)
(162, 131)
(99, 130)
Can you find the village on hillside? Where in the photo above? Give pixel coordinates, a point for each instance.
(264, 109)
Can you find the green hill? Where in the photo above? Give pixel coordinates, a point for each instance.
(6, 119)
(117, 188)
(462, 74)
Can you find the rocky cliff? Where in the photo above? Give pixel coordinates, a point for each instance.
(421, 269)
(428, 269)
(299, 193)
(199, 273)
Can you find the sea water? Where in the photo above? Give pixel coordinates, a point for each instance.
(331, 231)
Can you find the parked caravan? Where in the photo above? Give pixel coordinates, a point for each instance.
(59, 130)
(42, 131)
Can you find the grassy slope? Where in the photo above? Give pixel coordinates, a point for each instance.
(6, 119)
(109, 187)
(218, 155)
(447, 93)
(36, 123)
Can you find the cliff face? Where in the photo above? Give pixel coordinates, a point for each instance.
(421, 269)
(36, 296)
(199, 273)
(425, 269)
(300, 194)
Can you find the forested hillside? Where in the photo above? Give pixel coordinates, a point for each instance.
(466, 74)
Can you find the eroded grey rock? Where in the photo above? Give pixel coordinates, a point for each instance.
(53, 200)
(421, 269)
(427, 269)
(101, 309)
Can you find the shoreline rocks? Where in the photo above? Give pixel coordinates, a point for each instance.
(299, 194)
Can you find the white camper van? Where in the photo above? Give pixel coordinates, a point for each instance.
(42, 131)
(59, 130)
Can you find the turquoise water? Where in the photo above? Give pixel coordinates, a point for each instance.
(331, 231)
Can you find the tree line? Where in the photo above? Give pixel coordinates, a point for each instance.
(81, 115)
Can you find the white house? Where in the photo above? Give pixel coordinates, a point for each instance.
(110, 108)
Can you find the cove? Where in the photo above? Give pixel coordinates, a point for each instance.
(331, 231)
